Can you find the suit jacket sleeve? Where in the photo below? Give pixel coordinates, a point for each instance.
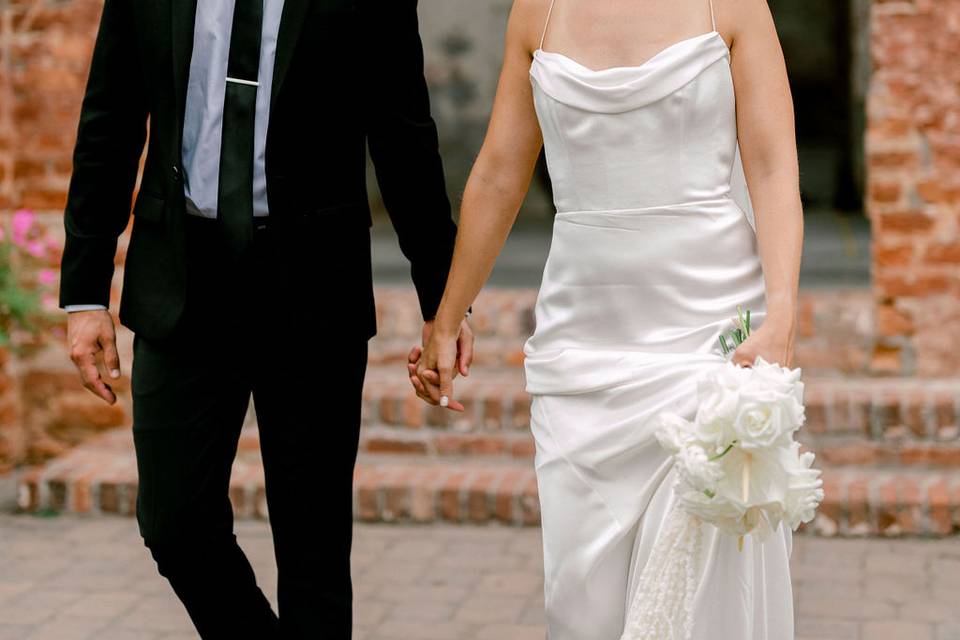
(106, 159)
(405, 149)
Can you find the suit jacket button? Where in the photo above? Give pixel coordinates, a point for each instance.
(176, 173)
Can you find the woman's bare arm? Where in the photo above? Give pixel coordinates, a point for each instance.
(494, 192)
(765, 125)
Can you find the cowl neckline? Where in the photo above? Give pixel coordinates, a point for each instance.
(620, 89)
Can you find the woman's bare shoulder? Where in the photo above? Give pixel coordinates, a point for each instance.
(740, 18)
(527, 21)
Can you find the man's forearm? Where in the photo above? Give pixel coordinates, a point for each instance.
(106, 159)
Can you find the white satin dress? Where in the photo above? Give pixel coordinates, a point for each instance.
(653, 249)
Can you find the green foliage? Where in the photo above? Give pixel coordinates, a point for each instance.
(739, 335)
(17, 305)
(25, 277)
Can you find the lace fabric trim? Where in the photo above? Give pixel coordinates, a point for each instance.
(662, 608)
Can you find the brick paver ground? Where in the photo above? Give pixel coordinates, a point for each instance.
(71, 578)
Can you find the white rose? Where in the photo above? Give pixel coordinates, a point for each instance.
(725, 515)
(673, 432)
(804, 488)
(766, 417)
(760, 425)
(774, 376)
(715, 434)
(760, 409)
(697, 470)
(784, 383)
(718, 397)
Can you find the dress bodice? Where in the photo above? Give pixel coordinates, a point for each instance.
(660, 133)
(653, 248)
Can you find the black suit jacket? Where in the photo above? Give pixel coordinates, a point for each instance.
(348, 76)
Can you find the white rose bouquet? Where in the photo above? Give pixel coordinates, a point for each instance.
(738, 467)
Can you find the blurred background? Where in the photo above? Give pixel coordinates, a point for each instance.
(447, 539)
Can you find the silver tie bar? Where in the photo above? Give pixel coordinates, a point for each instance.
(251, 83)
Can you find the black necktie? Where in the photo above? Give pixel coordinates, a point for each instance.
(235, 194)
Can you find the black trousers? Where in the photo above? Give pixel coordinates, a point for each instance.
(241, 335)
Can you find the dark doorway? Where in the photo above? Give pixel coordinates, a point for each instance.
(824, 42)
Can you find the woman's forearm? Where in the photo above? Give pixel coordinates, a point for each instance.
(779, 214)
(767, 135)
(500, 177)
(491, 201)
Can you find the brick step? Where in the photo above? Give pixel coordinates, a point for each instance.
(494, 399)
(900, 454)
(889, 502)
(100, 477)
(886, 410)
(443, 443)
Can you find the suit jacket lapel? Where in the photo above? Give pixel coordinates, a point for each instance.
(291, 24)
(183, 14)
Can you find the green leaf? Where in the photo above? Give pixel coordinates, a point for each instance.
(723, 345)
(738, 335)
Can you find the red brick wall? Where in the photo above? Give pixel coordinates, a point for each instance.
(45, 48)
(44, 51)
(11, 436)
(913, 159)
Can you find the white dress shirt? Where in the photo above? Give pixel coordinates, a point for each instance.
(203, 120)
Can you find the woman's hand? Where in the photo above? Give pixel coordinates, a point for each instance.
(433, 368)
(772, 342)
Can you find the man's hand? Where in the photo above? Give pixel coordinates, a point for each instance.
(432, 376)
(93, 349)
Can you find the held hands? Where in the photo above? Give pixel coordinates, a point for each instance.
(433, 367)
(93, 349)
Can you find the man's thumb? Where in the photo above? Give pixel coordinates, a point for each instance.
(111, 357)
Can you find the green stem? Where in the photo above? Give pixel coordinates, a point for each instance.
(724, 452)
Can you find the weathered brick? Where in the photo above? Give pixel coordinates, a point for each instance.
(917, 248)
(941, 516)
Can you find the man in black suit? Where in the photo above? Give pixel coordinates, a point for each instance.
(248, 271)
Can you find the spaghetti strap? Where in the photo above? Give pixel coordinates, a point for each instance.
(713, 16)
(546, 24)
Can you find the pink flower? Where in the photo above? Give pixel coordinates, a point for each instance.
(47, 277)
(2, 234)
(22, 223)
(37, 248)
(48, 301)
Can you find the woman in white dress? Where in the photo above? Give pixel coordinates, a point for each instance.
(644, 108)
